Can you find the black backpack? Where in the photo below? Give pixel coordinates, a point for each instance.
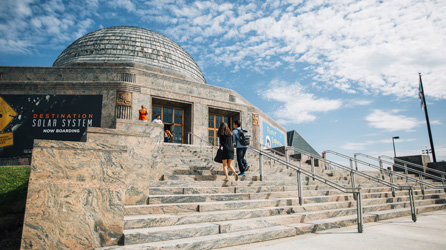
(244, 137)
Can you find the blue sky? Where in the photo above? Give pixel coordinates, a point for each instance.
(344, 74)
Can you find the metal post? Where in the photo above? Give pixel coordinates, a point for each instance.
(381, 168)
(392, 181)
(412, 205)
(312, 166)
(406, 171)
(442, 179)
(359, 211)
(352, 175)
(421, 184)
(356, 163)
(299, 187)
(261, 166)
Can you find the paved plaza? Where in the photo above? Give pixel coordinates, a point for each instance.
(429, 232)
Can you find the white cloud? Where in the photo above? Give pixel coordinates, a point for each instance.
(356, 102)
(297, 106)
(30, 25)
(372, 47)
(357, 146)
(391, 121)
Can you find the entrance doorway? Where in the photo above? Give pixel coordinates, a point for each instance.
(216, 117)
(214, 123)
(173, 120)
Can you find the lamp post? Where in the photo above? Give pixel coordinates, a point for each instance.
(393, 142)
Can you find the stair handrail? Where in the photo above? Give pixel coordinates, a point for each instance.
(351, 169)
(356, 191)
(190, 136)
(442, 173)
(354, 172)
(405, 175)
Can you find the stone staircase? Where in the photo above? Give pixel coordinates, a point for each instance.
(193, 207)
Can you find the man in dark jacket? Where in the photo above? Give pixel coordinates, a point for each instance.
(241, 149)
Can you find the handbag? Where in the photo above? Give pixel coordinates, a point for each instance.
(219, 156)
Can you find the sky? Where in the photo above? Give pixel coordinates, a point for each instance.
(344, 74)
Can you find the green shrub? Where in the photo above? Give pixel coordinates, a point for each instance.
(13, 190)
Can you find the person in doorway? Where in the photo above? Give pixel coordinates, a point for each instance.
(157, 120)
(241, 149)
(167, 135)
(143, 113)
(225, 135)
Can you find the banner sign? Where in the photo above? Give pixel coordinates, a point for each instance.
(24, 118)
(272, 138)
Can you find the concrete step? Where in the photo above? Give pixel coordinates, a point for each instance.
(137, 236)
(217, 240)
(188, 198)
(252, 204)
(308, 190)
(156, 220)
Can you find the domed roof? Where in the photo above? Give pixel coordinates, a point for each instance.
(125, 44)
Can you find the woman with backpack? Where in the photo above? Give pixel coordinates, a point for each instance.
(225, 135)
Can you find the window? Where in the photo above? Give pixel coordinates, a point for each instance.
(173, 119)
(214, 123)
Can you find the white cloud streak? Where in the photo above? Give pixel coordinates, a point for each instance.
(391, 121)
(297, 105)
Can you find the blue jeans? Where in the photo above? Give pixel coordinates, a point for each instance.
(241, 159)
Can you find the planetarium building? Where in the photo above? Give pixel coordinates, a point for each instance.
(105, 77)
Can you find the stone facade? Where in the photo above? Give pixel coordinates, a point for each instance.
(107, 80)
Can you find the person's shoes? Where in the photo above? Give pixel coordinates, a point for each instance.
(236, 177)
(242, 174)
(226, 179)
(247, 167)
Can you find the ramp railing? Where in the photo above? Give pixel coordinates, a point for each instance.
(356, 191)
(421, 180)
(353, 172)
(404, 165)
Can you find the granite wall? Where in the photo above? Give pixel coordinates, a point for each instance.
(143, 141)
(75, 196)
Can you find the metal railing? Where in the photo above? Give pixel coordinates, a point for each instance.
(440, 177)
(356, 191)
(190, 138)
(405, 175)
(354, 172)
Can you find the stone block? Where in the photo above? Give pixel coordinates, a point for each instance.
(75, 196)
(143, 142)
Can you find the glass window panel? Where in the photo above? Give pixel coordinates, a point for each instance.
(227, 120)
(211, 136)
(167, 115)
(179, 116)
(156, 111)
(211, 121)
(218, 121)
